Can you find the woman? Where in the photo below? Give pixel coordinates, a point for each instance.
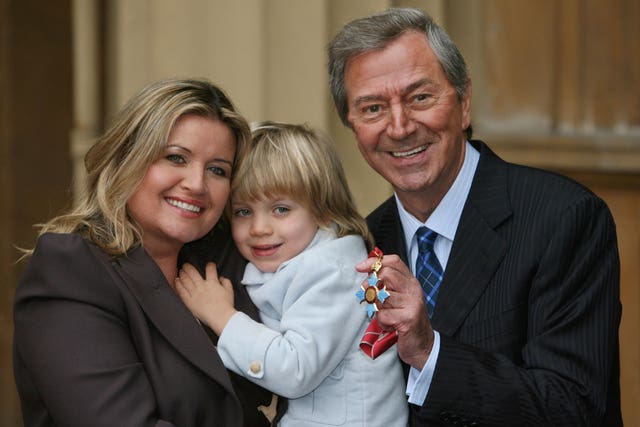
(101, 338)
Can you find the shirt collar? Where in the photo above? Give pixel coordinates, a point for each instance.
(446, 216)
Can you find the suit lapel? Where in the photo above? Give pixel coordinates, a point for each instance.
(169, 315)
(387, 230)
(478, 249)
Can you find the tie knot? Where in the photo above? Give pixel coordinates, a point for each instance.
(426, 238)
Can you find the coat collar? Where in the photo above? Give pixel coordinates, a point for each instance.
(169, 315)
(386, 228)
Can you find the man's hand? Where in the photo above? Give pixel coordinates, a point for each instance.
(404, 310)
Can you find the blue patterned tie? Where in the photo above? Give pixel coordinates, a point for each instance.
(428, 268)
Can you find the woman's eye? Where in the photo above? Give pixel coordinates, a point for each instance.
(217, 170)
(175, 158)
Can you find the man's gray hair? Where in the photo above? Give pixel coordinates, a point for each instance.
(374, 33)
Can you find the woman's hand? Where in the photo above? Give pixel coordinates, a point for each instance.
(210, 299)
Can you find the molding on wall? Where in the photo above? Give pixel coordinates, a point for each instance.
(593, 153)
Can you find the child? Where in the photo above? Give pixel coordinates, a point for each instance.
(294, 220)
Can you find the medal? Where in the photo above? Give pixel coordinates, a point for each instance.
(371, 292)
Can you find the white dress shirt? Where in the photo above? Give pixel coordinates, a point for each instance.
(444, 221)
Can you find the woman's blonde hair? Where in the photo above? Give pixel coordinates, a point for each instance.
(301, 163)
(117, 163)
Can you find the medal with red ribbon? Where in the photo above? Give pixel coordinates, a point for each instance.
(375, 341)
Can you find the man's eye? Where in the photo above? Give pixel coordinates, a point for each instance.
(422, 100)
(372, 109)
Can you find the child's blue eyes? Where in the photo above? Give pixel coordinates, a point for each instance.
(278, 210)
(281, 210)
(242, 212)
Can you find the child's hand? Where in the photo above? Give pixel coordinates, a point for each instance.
(210, 299)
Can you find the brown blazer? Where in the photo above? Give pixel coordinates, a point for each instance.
(106, 342)
(529, 306)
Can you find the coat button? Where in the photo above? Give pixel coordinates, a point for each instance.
(255, 367)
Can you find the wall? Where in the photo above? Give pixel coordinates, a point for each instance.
(35, 167)
(554, 85)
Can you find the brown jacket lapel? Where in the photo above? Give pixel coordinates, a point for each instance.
(169, 314)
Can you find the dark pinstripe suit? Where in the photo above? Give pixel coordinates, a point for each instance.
(529, 309)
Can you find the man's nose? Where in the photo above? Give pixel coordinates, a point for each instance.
(400, 123)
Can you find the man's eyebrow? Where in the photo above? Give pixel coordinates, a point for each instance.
(367, 98)
(417, 84)
(413, 86)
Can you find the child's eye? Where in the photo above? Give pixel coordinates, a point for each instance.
(242, 212)
(281, 210)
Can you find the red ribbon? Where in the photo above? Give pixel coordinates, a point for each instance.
(375, 253)
(375, 341)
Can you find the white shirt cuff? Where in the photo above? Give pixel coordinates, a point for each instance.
(419, 381)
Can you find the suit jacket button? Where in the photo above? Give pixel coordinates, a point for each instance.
(255, 367)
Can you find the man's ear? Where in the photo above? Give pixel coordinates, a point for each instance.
(465, 105)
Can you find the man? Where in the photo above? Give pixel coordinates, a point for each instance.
(524, 323)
